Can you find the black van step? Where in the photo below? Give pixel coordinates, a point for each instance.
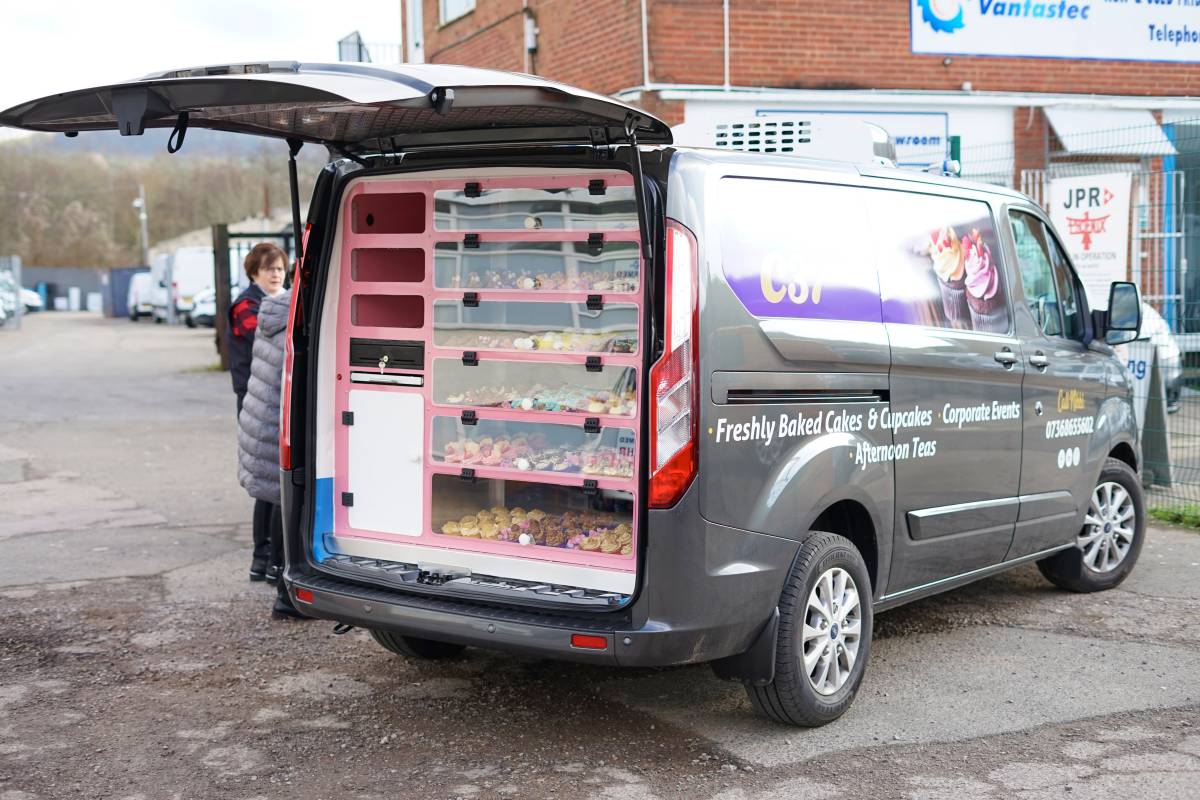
(465, 584)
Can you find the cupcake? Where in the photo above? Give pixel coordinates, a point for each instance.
(471, 531)
(626, 549)
(946, 252)
(489, 530)
(984, 296)
(609, 544)
(590, 543)
(451, 529)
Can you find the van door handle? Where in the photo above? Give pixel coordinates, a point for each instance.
(1039, 360)
(1006, 357)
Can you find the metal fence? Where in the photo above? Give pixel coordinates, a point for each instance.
(1163, 163)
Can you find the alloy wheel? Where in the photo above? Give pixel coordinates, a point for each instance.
(832, 631)
(1108, 528)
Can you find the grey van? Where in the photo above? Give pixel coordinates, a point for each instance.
(558, 387)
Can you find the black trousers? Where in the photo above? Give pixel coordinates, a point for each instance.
(264, 518)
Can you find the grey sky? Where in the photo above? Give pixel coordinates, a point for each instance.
(48, 46)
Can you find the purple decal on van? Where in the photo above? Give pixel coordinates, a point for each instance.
(817, 270)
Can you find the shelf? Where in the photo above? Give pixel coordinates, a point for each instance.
(520, 385)
(542, 328)
(535, 208)
(532, 265)
(522, 449)
(535, 517)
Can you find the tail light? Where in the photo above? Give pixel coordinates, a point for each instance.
(674, 377)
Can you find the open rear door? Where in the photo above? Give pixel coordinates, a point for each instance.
(352, 108)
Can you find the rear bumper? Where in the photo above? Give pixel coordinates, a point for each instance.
(706, 593)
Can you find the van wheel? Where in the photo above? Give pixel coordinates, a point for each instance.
(824, 636)
(1108, 544)
(415, 647)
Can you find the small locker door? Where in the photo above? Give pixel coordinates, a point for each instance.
(384, 458)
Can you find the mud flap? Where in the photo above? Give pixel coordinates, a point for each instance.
(755, 666)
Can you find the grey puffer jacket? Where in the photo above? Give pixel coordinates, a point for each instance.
(258, 425)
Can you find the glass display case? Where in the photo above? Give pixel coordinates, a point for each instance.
(573, 266)
(534, 447)
(534, 515)
(535, 386)
(550, 208)
(536, 327)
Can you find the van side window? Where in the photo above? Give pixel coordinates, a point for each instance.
(1037, 274)
(939, 262)
(1068, 291)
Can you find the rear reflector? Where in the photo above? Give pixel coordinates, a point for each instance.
(589, 642)
(304, 595)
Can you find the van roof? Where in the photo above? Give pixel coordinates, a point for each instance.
(760, 160)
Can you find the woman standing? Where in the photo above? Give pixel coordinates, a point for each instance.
(258, 431)
(266, 267)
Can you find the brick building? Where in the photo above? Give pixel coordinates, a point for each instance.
(697, 61)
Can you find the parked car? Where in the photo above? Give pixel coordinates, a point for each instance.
(31, 300)
(140, 297)
(204, 309)
(1168, 353)
(551, 392)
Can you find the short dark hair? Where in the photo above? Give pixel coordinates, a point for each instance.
(262, 254)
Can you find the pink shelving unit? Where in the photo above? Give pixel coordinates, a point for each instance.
(410, 460)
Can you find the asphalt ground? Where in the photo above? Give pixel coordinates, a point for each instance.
(137, 662)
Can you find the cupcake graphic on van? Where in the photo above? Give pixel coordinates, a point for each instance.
(946, 252)
(984, 295)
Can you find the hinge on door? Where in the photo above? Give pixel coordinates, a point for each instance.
(596, 187)
(468, 417)
(595, 245)
(591, 487)
(594, 364)
(472, 189)
(595, 302)
(347, 417)
(471, 240)
(470, 359)
(467, 474)
(591, 425)
(347, 499)
(471, 299)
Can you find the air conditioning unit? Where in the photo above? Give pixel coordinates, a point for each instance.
(823, 137)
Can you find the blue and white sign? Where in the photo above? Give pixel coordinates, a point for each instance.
(1125, 30)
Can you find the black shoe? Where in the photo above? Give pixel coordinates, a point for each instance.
(258, 569)
(273, 573)
(284, 608)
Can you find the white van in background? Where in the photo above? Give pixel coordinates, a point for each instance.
(140, 298)
(178, 277)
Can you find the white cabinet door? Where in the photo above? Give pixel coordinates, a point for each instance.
(385, 454)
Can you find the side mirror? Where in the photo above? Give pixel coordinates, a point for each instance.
(1124, 320)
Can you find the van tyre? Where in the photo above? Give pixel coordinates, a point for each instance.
(1107, 546)
(824, 636)
(416, 647)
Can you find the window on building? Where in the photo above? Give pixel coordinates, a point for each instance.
(453, 9)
